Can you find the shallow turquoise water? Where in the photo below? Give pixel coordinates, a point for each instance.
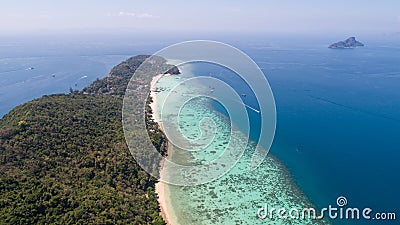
(235, 197)
(338, 111)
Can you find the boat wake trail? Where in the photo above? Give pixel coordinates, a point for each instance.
(353, 108)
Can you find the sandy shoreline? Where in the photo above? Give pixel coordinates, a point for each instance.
(163, 200)
(161, 187)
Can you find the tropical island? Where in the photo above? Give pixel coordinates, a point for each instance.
(64, 158)
(350, 42)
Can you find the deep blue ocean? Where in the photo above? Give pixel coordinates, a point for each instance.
(338, 111)
(31, 67)
(338, 119)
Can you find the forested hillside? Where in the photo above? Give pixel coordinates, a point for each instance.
(64, 160)
(117, 80)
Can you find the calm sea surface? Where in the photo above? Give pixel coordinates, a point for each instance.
(338, 111)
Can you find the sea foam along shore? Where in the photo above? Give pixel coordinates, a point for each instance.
(161, 187)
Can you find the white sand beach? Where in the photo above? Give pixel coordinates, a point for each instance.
(161, 187)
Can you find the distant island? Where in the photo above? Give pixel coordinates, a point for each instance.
(350, 42)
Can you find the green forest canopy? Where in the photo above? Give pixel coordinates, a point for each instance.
(64, 159)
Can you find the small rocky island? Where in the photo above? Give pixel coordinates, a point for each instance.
(348, 43)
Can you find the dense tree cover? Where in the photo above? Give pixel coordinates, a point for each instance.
(64, 159)
(117, 80)
(157, 137)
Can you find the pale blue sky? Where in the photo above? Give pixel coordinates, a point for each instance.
(281, 16)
